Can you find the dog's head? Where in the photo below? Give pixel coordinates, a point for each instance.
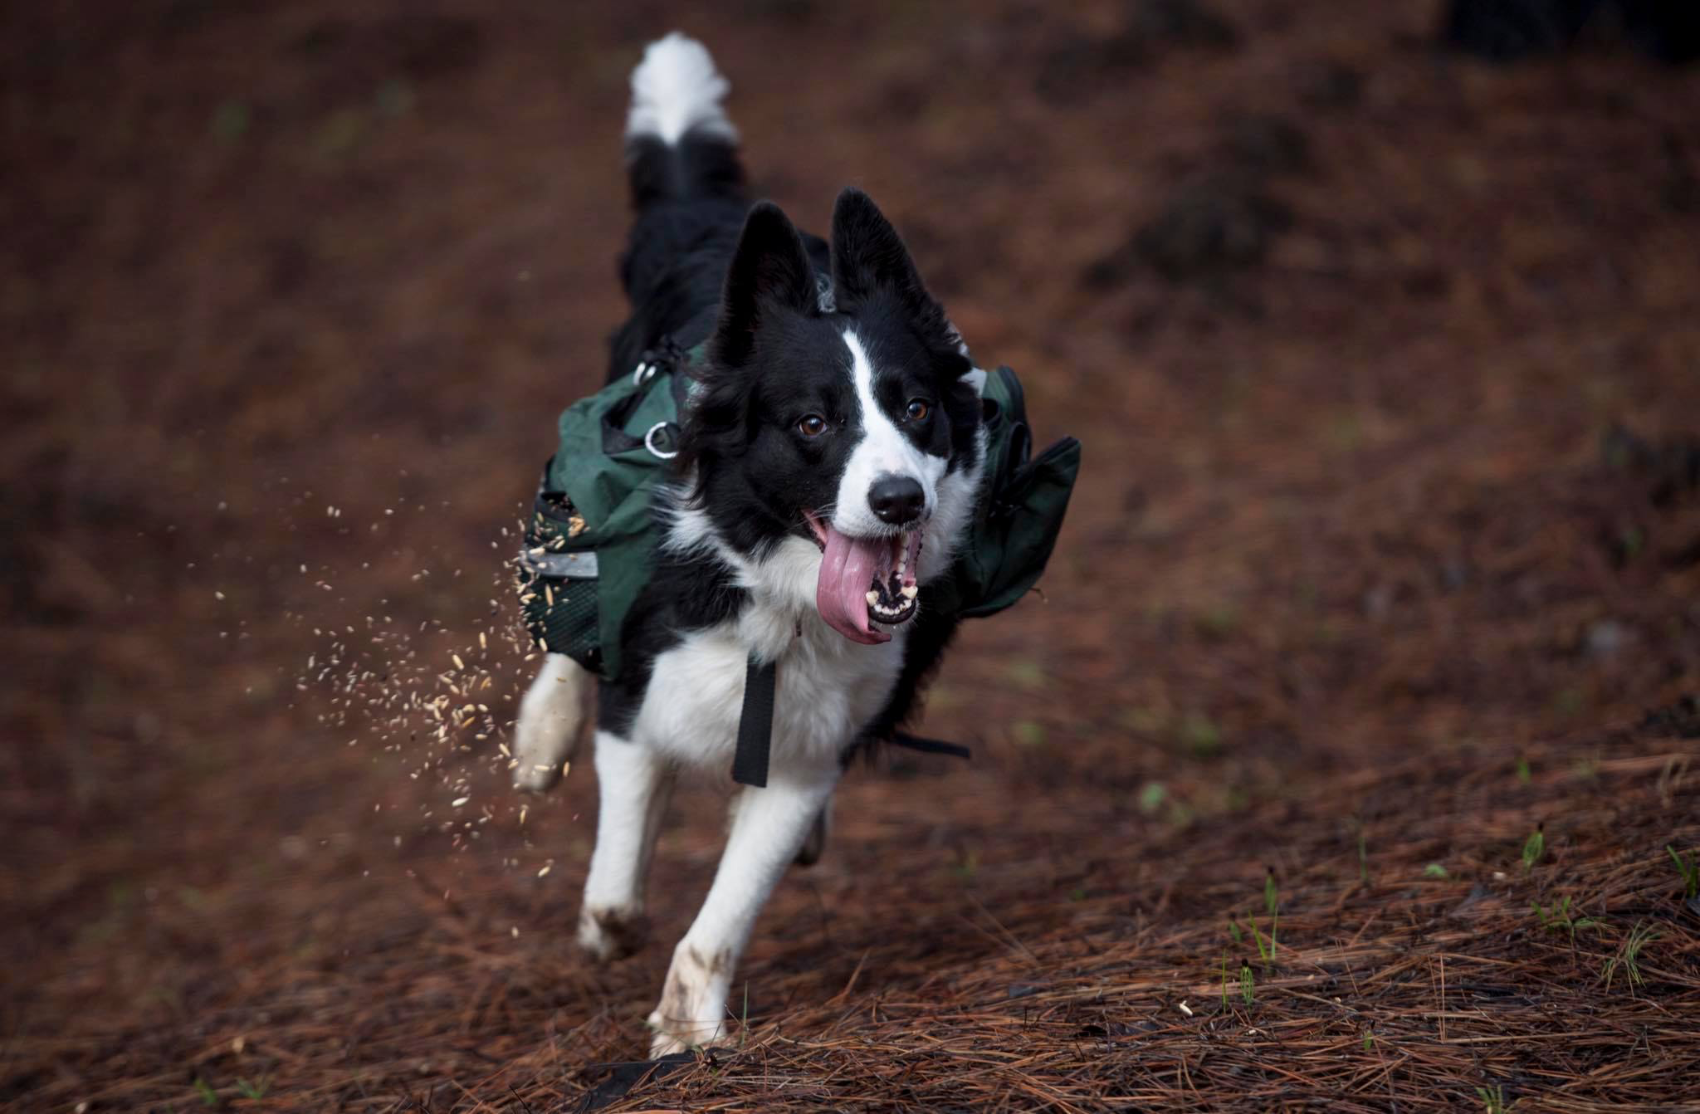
(848, 425)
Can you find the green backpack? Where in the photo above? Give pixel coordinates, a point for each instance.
(592, 529)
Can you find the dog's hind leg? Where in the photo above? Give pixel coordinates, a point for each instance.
(768, 829)
(547, 732)
(634, 784)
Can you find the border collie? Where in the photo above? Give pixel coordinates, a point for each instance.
(830, 456)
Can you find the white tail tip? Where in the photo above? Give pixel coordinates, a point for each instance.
(676, 89)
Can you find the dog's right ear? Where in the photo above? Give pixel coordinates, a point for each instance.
(769, 271)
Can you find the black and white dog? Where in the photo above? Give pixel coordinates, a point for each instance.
(830, 459)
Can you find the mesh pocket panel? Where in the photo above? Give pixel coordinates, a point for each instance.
(561, 612)
(561, 615)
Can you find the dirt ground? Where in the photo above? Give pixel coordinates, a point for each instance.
(1385, 558)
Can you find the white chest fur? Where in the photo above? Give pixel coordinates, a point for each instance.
(828, 689)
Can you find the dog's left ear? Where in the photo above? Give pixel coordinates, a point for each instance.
(868, 257)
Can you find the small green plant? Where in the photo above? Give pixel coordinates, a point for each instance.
(1689, 868)
(1272, 903)
(1265, 952)
(1028, 733)
(255, 1089)
(1369, 1040)
(1558, 918)
(1151, 797)
(1224, 980)
(209, 1097)
(1523, 771)
(1363, 860)
(230, 121)
(1628, 957)
(1247, 983)
(1234, 931)
(1435, 870)
(1492, 1098)
(1534, 848)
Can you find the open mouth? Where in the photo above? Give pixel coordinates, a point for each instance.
(864, 581)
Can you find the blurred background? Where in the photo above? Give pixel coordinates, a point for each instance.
(1380, 324)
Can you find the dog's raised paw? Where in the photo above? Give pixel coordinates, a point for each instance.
(546, 733)
(607, 934)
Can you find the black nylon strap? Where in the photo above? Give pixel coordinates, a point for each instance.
(928, 746)
(755, 724)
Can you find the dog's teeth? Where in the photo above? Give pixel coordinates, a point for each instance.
(873, 599)
(910, 591)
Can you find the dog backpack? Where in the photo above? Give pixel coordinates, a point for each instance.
(592, 529)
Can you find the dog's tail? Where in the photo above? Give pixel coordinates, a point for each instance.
(680, 144)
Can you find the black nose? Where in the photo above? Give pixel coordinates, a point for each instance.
(896, 499)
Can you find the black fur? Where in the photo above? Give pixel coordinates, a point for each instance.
(702, 264)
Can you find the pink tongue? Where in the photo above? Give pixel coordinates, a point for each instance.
(847, 571)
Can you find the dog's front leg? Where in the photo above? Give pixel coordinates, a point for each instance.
(768, 827)
(634, 784)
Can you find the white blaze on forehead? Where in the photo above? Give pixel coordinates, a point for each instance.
(882, 451)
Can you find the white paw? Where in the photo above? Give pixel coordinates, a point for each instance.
(692, 1010)
(549, 720)
(607, 933)
(671, 1037)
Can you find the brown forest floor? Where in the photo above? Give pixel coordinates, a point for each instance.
(1358, 587)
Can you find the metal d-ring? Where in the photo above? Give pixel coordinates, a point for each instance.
(649, 442)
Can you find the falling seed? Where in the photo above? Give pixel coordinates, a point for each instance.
(515, 931)
(218, 595)
(458, 801)
(482, 644)
(458, 663)
(546, 868)
(1186, 1009)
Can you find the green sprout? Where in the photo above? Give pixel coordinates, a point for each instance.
(1628, 957)
(1534, 848)
(1689, 868)
(1272, 902)
(1558, 918)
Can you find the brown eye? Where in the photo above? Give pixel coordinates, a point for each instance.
(813, 425)
(919, 409)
